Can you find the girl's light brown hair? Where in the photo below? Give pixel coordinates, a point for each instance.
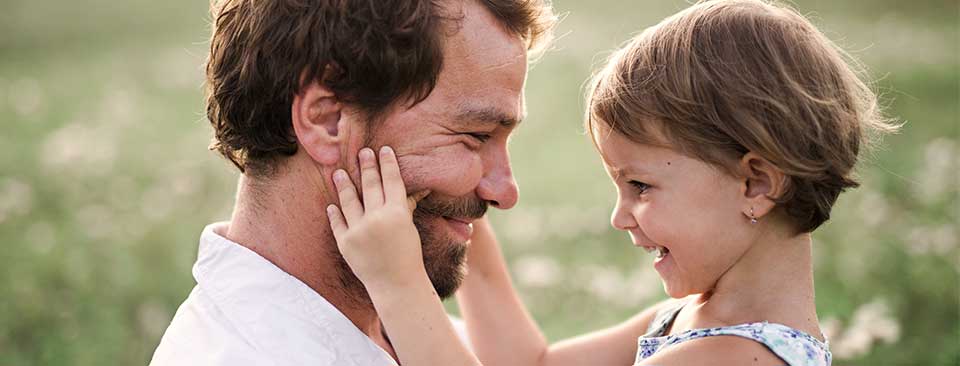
(726, 77)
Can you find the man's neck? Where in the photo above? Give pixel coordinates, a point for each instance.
(284, 223)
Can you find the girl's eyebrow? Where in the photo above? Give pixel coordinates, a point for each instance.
(618, 172)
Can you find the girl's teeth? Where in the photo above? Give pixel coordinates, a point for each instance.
(658, 251)
(661, 252)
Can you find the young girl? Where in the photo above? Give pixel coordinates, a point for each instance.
(729, 130)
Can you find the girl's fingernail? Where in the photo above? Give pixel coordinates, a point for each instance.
(386, 150)
(366, 154)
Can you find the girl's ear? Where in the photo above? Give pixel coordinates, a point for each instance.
(763, 185)
(316, 118)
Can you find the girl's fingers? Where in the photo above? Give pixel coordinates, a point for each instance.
(394, 190)
(349, 203)
(370, 180)
(413, 199)
(336, 221)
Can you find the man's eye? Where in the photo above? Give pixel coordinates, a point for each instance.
(480, 137)
(640, 186)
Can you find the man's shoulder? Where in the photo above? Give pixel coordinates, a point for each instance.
(207, 331)
(200, 335)
(248, 330)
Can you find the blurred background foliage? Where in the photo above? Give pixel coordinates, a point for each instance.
(105, 182)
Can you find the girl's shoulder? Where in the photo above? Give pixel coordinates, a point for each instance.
(718, 350)
(754, 343)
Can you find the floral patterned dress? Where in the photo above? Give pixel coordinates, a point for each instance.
(793, 346)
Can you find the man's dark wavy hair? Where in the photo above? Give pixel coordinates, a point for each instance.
(371, 53)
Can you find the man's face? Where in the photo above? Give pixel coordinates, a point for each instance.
(454, 143)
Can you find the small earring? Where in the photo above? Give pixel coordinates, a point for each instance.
(753, 219)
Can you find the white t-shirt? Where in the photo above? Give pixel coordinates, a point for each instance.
(246, 311)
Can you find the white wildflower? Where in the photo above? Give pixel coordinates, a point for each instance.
(938, 176)
(81, 149)
(522, 226)
(16, 198)
(176, 68)
(119, 107)
(939, 240)
(606, 284)
(537, 271)
(641, 285)
(874, 209)
(870, 323)
(830, 327)
(156, 203)
(96, 221)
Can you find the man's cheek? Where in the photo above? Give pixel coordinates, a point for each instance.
(416, 171)
(450, 174)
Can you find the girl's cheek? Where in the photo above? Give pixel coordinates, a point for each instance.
(658, 225)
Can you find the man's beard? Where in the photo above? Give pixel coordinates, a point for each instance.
(444, 258)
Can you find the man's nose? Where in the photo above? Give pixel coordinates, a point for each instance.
(498, 187)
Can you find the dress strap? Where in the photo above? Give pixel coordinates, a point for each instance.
(664, 319)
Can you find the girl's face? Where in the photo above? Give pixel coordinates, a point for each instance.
(685, 211)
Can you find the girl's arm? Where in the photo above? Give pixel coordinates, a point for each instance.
(380, 243)
(503, 333)
(499, 326)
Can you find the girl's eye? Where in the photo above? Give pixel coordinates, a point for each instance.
(640, 186)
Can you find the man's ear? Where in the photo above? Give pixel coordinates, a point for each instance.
(763, 185)
(316, 112)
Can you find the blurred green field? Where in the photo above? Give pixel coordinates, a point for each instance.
(106, 182)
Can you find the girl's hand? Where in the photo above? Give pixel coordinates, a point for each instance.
(378, 240)
(377, 237)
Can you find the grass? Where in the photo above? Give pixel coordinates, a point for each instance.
(105, 183)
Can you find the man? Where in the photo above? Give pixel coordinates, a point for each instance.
(295, 88)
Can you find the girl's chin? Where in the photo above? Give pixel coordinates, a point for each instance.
(677, 290)
(674, 293)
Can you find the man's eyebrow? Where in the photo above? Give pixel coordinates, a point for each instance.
(487, 115)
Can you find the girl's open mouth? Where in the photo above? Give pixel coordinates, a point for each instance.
(658, 251)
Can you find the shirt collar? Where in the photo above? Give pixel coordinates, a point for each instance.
(260, 294)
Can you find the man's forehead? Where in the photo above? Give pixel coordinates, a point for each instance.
(483, 73)
(482, 41)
